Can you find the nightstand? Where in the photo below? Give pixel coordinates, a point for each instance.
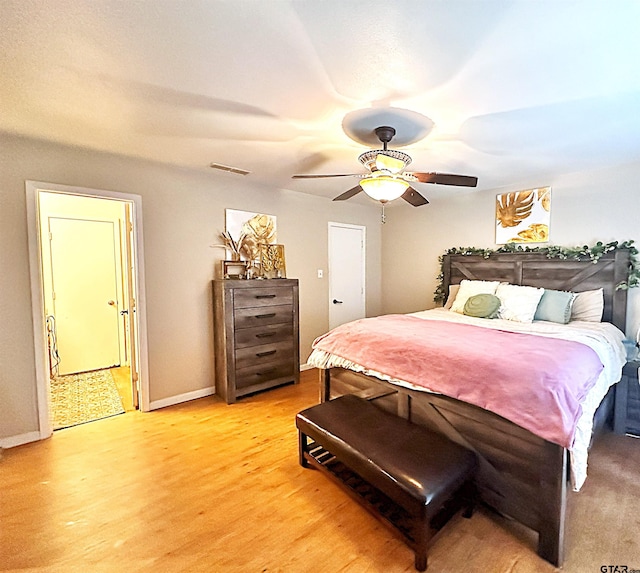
(627, 410)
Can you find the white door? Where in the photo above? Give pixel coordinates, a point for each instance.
(346, 273)
(83, 266)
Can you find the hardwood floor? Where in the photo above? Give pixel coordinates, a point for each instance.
(206, 487)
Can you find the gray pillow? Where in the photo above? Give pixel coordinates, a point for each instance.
(482, 306)
(555, 306)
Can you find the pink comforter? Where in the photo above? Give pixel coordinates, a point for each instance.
(533, 381)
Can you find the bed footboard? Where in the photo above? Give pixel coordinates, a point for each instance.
(520, 475)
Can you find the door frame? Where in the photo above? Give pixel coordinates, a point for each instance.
(363, 258)
(37, 293)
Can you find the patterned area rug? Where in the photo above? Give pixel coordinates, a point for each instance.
(80, 398)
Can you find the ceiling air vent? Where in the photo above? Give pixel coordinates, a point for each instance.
(235, 170)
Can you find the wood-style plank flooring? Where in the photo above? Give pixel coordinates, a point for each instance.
(207, 487)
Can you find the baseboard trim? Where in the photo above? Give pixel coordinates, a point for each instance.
(19, 440)
(173, 400)
(306, 366)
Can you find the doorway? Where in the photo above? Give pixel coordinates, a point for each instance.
(84, 290)
(346, 273)
(87, 296)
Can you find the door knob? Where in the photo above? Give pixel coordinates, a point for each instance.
(112, 303)
(336, 301)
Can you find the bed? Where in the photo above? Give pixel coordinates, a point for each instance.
(522, 475)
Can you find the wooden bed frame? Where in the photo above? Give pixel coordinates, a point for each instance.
(520, 475)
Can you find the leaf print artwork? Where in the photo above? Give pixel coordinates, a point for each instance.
(535, 233)
(255, 229)
(513, 208)
(544, 196)
(523, 216)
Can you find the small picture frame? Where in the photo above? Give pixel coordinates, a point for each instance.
(234, 269)
(272, 263)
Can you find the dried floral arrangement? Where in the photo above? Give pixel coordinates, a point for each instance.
(238, 248)
(552, 252)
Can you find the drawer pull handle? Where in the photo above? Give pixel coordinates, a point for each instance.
(265, 296)
(266, 372)
(265, 334)
(269, 315)
(267, 353)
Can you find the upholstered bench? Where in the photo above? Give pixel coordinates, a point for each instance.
(409, 477)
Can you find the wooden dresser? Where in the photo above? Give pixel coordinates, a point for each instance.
(256, 335)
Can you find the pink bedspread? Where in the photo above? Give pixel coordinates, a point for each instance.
(536, 382)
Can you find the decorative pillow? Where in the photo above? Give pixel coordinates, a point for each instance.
(453, 291)
(588, 306)
(471, 288)
(482, 306)
(555, 306)
(519, 303)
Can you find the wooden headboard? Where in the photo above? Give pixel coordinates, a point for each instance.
(535, 269)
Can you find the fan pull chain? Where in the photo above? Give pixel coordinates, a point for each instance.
(384, 217)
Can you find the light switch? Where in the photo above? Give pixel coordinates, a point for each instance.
(320, 273)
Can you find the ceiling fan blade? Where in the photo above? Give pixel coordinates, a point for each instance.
(446, 179)
(320, 176)
(348, 194)
(414, 198)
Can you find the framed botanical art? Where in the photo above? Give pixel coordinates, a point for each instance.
(523, 216)
(272, 264)
(249, 230)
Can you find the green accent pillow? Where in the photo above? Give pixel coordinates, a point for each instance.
(482, 306)
(555, 306)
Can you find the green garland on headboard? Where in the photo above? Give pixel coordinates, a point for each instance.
(552, 252)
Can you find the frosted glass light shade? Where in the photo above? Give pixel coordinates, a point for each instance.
(384, 188)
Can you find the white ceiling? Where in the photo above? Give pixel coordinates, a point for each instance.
(518, 90)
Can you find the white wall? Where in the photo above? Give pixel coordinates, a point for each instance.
(586, 207)
(183, 212)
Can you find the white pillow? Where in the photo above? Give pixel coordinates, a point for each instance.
(472, 288)
(588, 306)
(453, 292)
(519, 303)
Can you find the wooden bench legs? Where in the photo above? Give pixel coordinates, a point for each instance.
(415, 527)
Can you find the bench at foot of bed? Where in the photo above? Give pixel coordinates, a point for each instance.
(409, 477)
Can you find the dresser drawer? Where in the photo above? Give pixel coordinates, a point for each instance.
(248, 317)
(268, 333)
(633, 407)
(263, 373)
(626, 419)
(264, 354)
(263, 296)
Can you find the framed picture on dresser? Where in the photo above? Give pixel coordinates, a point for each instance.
(272, 263)
(233, 269)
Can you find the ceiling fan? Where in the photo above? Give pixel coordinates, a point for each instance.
(387, 179)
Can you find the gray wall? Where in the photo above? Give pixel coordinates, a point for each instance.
(586, 207)
(183, 212)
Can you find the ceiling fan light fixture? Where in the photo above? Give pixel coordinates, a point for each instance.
(370, 158)
(384, 188)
